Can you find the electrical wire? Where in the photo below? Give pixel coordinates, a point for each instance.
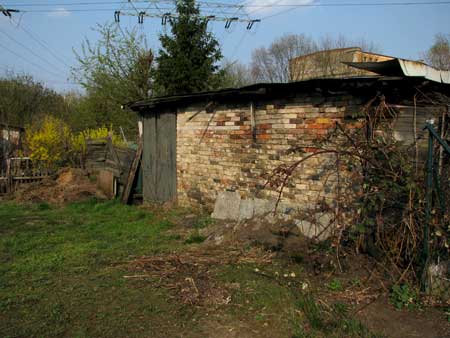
(28, 61)
(355, 4)
(240, 5)
(29, 50)
(259, 7)
(44, 45)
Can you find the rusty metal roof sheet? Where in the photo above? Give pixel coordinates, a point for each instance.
(403, 67)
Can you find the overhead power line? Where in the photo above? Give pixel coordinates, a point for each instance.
(240, 5)
(88, 3)
(28, 61)
(28, 49)
(207, 7)
(168, 16)
(356, 4)
(85, 10)
(44, 45)
(210, 10)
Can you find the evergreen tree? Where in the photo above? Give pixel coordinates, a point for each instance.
(188, 57)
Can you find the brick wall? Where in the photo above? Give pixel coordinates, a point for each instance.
(221, 151)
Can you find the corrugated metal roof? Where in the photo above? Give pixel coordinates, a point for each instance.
(355, 85)
(402, 67)
(254, 90)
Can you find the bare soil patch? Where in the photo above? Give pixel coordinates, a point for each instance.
(362, 286)
(382, 317)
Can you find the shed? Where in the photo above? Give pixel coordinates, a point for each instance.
(199, 145)
(11, 138)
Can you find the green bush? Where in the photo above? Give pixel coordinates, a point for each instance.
(403, 297)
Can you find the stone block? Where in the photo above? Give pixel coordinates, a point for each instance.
(246, 209)
(263, 206)
(320, 228)
(227, 206)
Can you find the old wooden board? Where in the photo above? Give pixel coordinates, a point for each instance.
(159, 157)
(132, 174)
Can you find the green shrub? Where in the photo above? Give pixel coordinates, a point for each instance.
(402, 296)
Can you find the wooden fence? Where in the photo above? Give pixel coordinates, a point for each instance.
(21, 170)
(102, 155)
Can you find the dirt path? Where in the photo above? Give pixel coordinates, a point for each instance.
(382, 317)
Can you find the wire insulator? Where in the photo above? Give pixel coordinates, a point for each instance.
(141, 17)
(251, 23)
(165, 17)
(209, 18)
(229, 21)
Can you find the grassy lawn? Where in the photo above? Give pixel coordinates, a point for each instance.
(61, 275)
(57, 275)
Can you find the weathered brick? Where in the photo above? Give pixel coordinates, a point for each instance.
(227, 157)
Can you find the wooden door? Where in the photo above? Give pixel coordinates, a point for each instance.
(159, 157)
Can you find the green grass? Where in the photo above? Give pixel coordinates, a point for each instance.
(59, 273)
(62, 268)
(264, 296)
(328, 321)
(195, 238)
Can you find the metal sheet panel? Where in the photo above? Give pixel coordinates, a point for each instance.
(402, 67)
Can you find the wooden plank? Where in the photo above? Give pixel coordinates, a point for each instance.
(148, 158)
(112, 151)
(159, 157)
(403, 126)
(33, 178)
(166, 157)
(132, 174)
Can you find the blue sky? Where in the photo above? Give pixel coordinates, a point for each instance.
(403, 31)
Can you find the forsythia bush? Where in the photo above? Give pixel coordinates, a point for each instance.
(79, 140)
(52, 141)
(48, 141)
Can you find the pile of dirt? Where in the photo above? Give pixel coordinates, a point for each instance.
(70, 185)
(270, 233)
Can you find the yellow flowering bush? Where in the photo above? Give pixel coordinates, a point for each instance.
(48, 141)
(52, 141)
(78, 141)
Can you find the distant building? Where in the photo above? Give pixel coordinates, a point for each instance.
(330, 64)
(10, 143)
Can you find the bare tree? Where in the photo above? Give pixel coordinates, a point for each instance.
(439, 53)
(272, 64)
(235, 74)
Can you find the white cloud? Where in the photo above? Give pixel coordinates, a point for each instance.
(59, 12)
(264, 7)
